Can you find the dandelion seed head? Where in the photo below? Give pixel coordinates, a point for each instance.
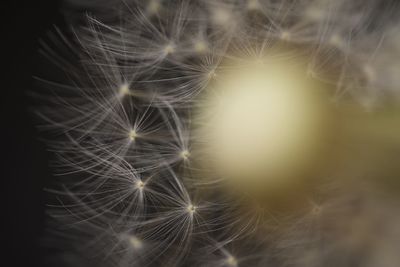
(226, 103)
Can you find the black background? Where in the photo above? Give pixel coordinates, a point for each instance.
(25, 170)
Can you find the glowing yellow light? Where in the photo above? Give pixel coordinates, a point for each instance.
(263, 123)
(153, 7)
(200, 47)
(169, 49)
(191, 209)
(140, 185)
(135, 242)
(132, 135)
(124, 90)
(185, 154)
(231, 261)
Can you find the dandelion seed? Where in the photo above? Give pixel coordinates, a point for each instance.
(124, 90)
(369, 72)
(133, 135)
(316, 210)
(315, 13)
(337, 40)
(285, 35)
(185, 154)
(200, 46)
(136, 243)
(253, 4)
(153, 7)
(231, 261)
(191, 209)
(211, 75)
(169, 49)
(222, 17)
(140, 185)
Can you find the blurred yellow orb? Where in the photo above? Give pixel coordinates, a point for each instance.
(264, 124)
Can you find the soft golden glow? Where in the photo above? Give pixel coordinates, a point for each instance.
(135, 242)
(264, 124)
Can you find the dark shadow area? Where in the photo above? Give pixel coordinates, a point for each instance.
(25, 170)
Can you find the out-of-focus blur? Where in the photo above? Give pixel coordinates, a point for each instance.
(266, 124)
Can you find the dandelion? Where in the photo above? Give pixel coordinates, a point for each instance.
(225, 133)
